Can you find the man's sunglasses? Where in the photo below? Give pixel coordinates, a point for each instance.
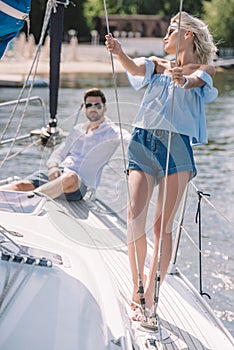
(96, 105)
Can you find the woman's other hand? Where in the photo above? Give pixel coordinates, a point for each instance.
(177, 76)
(112, 44)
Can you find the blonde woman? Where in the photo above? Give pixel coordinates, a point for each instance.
(191, 82)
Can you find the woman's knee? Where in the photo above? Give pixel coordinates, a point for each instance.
(137, 210)
(167, 227)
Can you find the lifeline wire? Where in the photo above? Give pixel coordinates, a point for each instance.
(141, 288)
(158, 275)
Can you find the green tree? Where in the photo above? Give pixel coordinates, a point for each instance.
(74, 19)
(36, 18)
(219, 15)
(171, 7)
(94, 8)
(82, 16)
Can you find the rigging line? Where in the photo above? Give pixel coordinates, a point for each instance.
(50, 5)
(44, 27)
(9, 157)
(140, 281)
(158, 274)
(19, 125)
(212, 205)
(192, 241)
(116, 92)
(208, 259)
(77, 114)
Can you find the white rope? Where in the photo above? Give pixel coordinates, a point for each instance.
(158, 274)
(37, 142)
(140, 282)
(116, 92)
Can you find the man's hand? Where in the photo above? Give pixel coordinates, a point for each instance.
(54, 172)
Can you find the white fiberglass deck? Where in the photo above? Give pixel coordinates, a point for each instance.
(188, 320)
(86, 295)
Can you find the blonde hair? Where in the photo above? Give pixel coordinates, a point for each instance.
(204, 47)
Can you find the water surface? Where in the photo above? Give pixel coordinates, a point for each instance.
(215, 163)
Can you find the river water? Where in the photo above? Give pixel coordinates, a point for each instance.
(215, 164)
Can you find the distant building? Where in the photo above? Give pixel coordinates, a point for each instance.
(132, 25)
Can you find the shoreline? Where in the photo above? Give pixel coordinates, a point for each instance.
(72, 74)
(82, 64)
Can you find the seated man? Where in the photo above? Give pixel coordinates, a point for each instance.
(78, 162)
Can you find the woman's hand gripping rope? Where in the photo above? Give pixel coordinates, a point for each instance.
(177, 76)
(113, 45)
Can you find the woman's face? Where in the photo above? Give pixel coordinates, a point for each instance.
(171, 37)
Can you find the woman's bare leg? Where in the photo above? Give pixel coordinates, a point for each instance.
(141, 187)
(175, 188)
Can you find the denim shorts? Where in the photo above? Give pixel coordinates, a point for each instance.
(40, 178)
(147, 152)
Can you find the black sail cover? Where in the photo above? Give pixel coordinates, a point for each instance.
(56, 34)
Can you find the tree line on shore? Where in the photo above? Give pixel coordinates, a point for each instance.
(79, 15)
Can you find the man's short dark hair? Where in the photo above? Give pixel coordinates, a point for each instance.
(95, 92)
